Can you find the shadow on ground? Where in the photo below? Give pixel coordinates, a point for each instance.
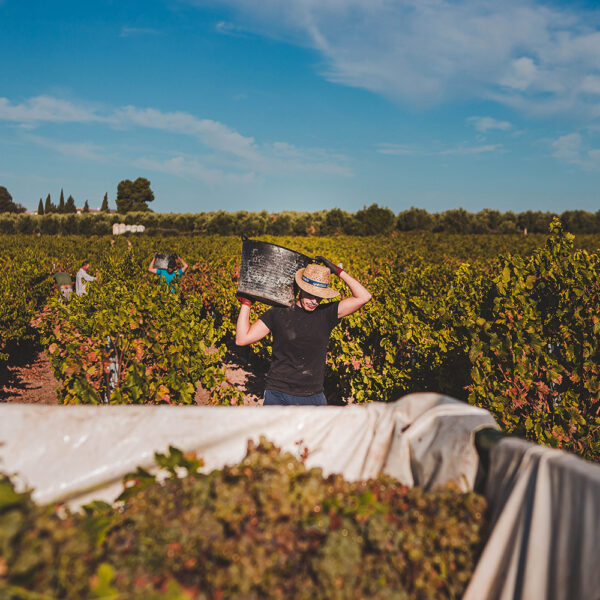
(28, 378)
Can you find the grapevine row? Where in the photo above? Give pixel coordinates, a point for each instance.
(507, 323)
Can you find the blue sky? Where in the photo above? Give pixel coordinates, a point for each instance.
(303, 104)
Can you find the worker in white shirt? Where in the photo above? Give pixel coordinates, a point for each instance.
(81, 278)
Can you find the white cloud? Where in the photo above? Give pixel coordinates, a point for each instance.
(568, 147)
(281, 158)
(472, 149)
(574, 149)
(85, 150)
(238, 157)
(533, 56)
(212, 133)
(594, 156)
(591, 85)
(289, 158)
(190, 168)
(396, 149)
(266, 164)
(521, 74)
(404, 150)
(285, 150)
(484, 124)
(135, 31)
(227, 28)
(46, 109)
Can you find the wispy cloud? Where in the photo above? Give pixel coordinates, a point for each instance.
(137, 31)
(403, 150)
(521, 74)
(223, 153)
(396, 149)
(573, 148)
(591, 85)
(269, 163)
(535, 56)
(228, 28)
(46, 109)
(212, 133)
(568, 147)
(472, 149)
(484, 124)
(86, 150)
(288, 158)
(191, 168)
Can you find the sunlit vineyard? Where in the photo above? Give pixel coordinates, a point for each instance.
(509, 323)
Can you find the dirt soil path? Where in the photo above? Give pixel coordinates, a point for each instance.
(240, 374)
(31, 381)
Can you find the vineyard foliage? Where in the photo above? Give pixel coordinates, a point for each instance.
(164, 344)
(509, 323)
(267, 527)
(24, 290)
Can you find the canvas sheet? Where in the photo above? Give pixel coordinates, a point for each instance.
(79, 453)
(545, 542)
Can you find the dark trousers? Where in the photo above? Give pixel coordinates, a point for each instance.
(275, 398)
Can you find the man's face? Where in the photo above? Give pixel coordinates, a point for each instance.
(308, 301)
(86, 266)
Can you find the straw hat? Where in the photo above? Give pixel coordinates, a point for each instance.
(314, 279)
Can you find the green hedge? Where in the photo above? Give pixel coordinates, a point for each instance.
(372, 220)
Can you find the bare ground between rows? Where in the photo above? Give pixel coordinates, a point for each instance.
(30, 380)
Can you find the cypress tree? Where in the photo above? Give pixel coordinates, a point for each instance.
(86, 207)
(49, 207)
(41, 207)
(104, 207)
(70, 205)
(61, 203)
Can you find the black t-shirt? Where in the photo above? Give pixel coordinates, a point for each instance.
(300, 341)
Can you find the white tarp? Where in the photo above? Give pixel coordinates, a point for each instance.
(545, 541)
(80, 453)
(545, 504)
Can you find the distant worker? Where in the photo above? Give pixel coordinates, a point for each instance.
(81, 278)
(64, 284)
(301, 334)
(171, 272)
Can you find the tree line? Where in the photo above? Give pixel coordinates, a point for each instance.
(133, 198)
(371, 220)
(62, 208)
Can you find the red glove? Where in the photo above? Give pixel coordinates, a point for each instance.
(335, 270)
(245, 301)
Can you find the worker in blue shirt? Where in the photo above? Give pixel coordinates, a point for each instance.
(171, 271)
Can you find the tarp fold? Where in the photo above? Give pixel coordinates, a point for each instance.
(79, 453)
